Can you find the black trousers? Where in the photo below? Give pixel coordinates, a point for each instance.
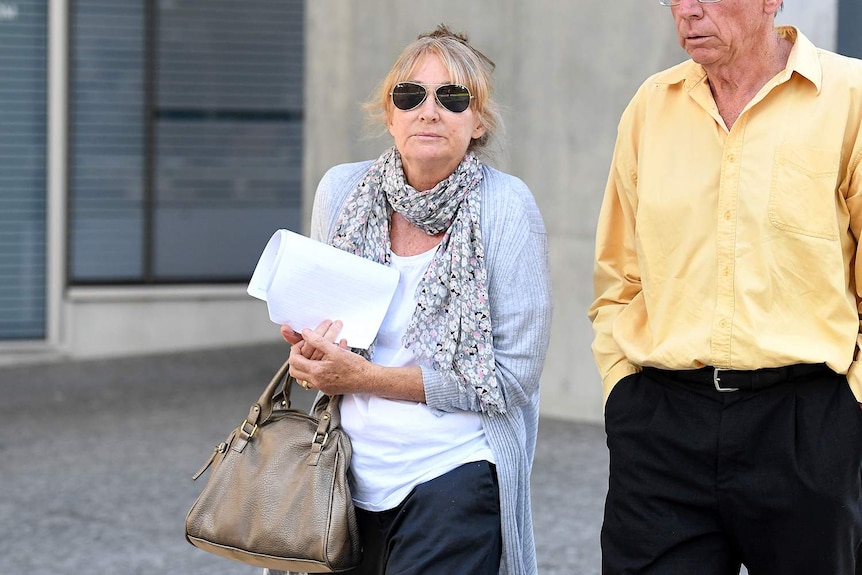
(702, 481)
(448, 525)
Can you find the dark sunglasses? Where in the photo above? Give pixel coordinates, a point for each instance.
(409, 95)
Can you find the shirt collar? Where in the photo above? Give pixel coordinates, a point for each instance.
(804, 57)
(804, 60)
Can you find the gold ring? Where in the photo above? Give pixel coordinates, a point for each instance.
(304, 384)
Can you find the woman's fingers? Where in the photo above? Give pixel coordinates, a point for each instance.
(328, 330)
(290, 336)
(297, 363)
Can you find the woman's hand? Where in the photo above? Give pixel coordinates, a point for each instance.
(317, 361)
(327, 329)
(320, 363)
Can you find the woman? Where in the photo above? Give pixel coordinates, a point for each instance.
(442, 411)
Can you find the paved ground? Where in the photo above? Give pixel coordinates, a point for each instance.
(96, 461)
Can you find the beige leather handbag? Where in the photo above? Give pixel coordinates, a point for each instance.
(278, 495)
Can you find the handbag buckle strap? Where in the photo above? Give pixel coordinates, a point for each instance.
(321, 435)
(317, 444)
(319, 439)
(251, 433)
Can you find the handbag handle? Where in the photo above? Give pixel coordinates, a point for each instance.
(325, 408)
(259, 413)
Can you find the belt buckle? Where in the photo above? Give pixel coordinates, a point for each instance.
(716, 381)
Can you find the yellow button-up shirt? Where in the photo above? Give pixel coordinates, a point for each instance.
(734, 248)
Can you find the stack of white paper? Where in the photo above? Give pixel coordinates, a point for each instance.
(304, 282)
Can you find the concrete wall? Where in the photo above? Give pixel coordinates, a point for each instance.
(817, 20)
(103, 322)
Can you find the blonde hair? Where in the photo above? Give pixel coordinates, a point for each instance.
(465, 64)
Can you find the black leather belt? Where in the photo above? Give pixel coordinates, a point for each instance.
(727, 380)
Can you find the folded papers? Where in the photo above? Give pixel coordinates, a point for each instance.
(304, 282)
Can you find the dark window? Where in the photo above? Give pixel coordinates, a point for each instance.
(186, 137)
(23, 117)
(849, 26)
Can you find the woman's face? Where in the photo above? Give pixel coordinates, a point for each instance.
(431, 139)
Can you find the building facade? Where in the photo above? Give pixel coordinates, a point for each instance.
(151, 147)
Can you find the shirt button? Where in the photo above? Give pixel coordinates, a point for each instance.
(723, 323)
(731, 158)
(725, 272)
(728, 214)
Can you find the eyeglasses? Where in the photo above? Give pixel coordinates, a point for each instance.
(453, 97)
(677, 2)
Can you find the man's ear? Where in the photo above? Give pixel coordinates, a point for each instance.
(772, 7)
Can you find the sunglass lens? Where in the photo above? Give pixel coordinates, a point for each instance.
(406, 96)
(453, 97)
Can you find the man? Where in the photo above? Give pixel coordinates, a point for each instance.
(728, 284)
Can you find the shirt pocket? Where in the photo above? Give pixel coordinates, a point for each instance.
(802, 197)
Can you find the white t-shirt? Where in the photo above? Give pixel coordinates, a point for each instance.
(400, 444)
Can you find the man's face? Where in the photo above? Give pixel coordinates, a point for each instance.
(723, 33)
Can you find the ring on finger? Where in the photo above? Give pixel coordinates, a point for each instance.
(304, 384)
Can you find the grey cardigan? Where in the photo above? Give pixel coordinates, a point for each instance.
(516, 258)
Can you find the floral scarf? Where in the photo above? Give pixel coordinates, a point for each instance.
(451, 326)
